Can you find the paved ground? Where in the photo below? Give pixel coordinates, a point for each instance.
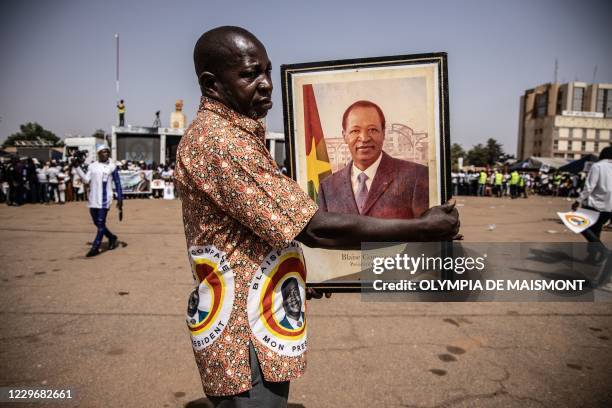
(112, 327)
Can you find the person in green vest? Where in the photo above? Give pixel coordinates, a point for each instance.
(521, 186)
(497, 187)
(514, 180)
(556, 183)
(482, 183)
(121, 111)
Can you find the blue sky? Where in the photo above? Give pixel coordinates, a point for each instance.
(58, 57)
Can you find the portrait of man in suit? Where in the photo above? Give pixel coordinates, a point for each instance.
(194, 312)
(373, 183)
(292, 305)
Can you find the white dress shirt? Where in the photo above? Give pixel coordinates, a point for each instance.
(597, 192)
(370, 172)
(296, 324)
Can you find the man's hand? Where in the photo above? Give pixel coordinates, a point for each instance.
(312, 293)
(442, 222)
(575, 205)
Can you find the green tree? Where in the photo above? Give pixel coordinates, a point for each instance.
(32, 131)
(495, 152)
(478, 155)
(99, 133)
(456, 152)
(102, 134)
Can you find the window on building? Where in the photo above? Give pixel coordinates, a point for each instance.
(560, 96)
(556, 145)
(541, 103)
(583, 146)
(604, 102)
(578, 100)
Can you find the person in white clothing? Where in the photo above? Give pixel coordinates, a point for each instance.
(43, 183)
(52, 173)
(98, 176)
(597, 196)
(61, 185)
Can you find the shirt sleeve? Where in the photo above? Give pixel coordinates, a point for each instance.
(85, 177)
(589, 184)
(242, 179)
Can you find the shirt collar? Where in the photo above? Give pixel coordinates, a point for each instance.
(370, 171)
(245, 123)
(295, 323)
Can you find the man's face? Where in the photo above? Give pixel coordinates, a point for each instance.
(245, 85)
(292, 301)
(364, 136)
(103, 155)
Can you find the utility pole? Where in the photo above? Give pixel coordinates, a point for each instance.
(117, 64)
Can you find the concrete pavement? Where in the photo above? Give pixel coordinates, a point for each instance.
(112, 327)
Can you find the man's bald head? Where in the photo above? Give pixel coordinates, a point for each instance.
(233, 68)
(217, 48)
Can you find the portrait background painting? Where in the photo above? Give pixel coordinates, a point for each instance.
(412, 94)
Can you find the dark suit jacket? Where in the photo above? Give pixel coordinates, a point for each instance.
(400, 189)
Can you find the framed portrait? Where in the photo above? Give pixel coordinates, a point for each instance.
(367, 136)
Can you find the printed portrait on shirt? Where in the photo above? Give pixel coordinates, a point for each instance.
(368, 137)
(292, 304)
(276, 302)
(210, 303)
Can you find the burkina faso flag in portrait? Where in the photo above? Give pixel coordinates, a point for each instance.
(317, 161)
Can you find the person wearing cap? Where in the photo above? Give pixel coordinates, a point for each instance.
(98, 176)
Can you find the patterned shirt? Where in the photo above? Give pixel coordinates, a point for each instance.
(241, 216)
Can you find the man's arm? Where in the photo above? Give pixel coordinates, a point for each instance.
(589, 185)
(118, 190)
(348, 231)
(86, 177)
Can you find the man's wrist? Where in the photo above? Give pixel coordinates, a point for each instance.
(414, 230)
(423, 227)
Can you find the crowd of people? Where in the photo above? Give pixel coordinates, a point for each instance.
(27, 180)
(515, 184)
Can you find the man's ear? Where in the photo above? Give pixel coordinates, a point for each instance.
(209, 85)
(344, 135)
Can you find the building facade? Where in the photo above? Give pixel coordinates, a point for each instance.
(565, 120)
(159, 145)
